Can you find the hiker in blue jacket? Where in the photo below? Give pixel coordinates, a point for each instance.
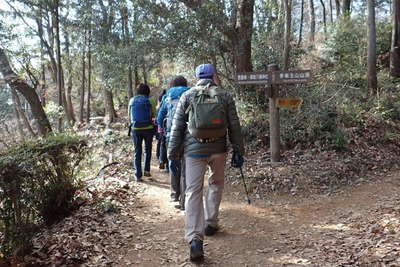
(167, 111)
(141, 112)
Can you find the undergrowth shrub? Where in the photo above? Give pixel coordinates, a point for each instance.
(37, 186)
(253, 117)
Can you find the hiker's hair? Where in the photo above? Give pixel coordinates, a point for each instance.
(178, 81)
(143, 89)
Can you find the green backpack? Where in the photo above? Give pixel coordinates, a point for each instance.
(207, 114)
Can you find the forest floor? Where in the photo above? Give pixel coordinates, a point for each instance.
(134, 224)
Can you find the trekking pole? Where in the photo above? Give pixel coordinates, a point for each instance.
(245, 187)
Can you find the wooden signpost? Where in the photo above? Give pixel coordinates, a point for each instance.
(273, 78)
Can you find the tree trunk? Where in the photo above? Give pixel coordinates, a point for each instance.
(323, 14)
(21, 113)
(17, 116)
(144, 72)
(89, 82)
(301, 23)
(312, 22)
(43, 85)
(27, 91)
(395, 46)
(242, 40)
(288, 24)
(331, 10)
(58, 58)
(109, 107)
(337, 3)
(346, 8)
(237, 31)
(137, 80)
(82, 99)
(130, 82)
(372, 79)
(125, 27)
(68, 91)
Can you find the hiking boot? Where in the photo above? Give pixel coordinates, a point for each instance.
(137, 179)
(179, 207)
(147, 174)
(161, 166)
(174, 199)
(196, 250)
(210, 230)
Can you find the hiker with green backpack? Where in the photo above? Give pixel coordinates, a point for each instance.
(204, 118)
(141, 113)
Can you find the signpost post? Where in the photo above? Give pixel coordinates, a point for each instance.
(272, 78)
(274, 125)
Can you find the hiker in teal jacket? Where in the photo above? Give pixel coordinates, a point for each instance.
(141, 113)
(166, 112)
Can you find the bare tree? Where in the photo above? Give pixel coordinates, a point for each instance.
(20, 128)
(346, 5)
(20, 113)
(56, 25)
(43, 85)
(301, 23)
(68, 92)
(323, 14)
(395, 47)
(82, 93)
(337, 4)
(288, 24)
(371, 64)
(312, 21)
(237, 29)
(27, 91)
(89, 81)
(125, 28)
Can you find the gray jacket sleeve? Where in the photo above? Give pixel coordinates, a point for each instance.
(179, 124)
(234, 129)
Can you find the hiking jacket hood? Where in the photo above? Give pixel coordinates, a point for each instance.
(173, 93)
(180, 137)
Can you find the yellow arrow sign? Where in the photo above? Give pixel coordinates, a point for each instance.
(294, 102)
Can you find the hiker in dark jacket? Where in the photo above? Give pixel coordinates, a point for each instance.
(200, 154)
(141, 113)
(166, 112)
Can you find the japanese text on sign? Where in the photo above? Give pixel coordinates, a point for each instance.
(296, 76)
(274, 77)
(253, 78)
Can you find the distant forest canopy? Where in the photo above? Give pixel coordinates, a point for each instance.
(70, 60)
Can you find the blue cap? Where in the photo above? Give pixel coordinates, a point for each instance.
(205, 71)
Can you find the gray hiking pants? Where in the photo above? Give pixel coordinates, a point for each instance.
(198, 215)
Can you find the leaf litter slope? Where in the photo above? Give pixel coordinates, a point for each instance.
(357, 227)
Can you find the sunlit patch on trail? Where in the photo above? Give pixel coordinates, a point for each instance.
(338, 227)
(288, 259)
(252, 210)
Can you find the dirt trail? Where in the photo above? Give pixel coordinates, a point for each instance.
(335, 230)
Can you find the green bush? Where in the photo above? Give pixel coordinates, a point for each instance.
(345, 47)
(37, 186)
(54, 112)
